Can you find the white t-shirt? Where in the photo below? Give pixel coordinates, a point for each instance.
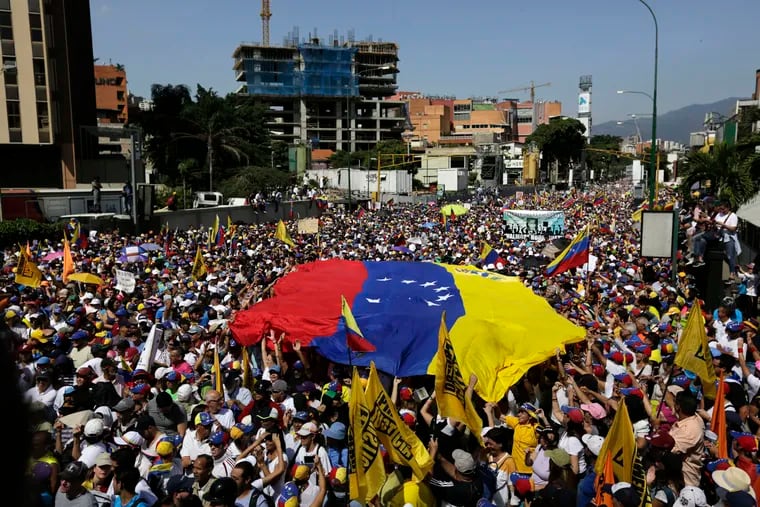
(573, 447)
(192, 447)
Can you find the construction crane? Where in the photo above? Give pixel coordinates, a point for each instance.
(532, 89)
(266, 14)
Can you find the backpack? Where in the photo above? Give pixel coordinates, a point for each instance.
(488, 477)
(254, 502)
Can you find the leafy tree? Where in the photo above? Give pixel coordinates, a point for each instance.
(249, 180)
(212, 121)
(159, 125)
(560, 141)
(605, 165)
(732, 176)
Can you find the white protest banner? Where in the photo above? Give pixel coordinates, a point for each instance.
(125, 281)
(149, 351)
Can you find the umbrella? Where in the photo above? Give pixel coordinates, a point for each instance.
(457, 209)
(52, 256)
(132, 258)
(149, 247)
(86, 278)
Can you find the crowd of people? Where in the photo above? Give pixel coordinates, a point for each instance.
(111, 427)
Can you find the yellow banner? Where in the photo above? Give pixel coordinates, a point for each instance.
(621, 445)
(402, 444)
(282, 234)
(199, 266)
(450, 387)
(27, 272)
(366, 468)
(694, 353)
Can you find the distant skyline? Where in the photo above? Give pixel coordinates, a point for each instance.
(707, 52)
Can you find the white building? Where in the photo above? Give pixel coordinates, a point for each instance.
(363, 181)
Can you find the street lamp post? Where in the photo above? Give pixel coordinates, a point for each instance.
(652, 158)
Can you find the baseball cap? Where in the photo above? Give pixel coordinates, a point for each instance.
(307, 387)
(747, 443)
(573, 413)
(275, 368)
(164, 448)
(336, 431)
(308, 429)
(595, 409)
(632, 391)
(593, 443)
(405, 393)
(560, 457)
(301, 415)
(691, 496)
(74, 471)
(623, 378)
(217, 438)
(661, 439)
(271, 414)
(124, 405)
(280, 386)
(130, 438)
(94, 428)
(239, 430)
(301, 472)
(204, 419)
(178, 483)
(463, 461)
(103, 459)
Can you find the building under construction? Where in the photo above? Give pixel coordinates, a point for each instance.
(331, 94)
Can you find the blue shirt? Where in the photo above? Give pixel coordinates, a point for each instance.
(586, 491)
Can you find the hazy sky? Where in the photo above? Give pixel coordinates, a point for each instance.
(708, 49)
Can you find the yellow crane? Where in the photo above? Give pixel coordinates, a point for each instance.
(532, 88)
(266, 14)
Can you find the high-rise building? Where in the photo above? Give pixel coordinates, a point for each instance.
(47, 90)
(331, 95)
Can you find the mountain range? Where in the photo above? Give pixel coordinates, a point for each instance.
(674, 125)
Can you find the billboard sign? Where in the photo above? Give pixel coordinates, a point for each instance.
(584, 102)
(538, 223)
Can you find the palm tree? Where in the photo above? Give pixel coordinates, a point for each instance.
(212, 120)
(729, 173)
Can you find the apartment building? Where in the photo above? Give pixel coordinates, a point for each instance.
(47, 90)
(332, 94)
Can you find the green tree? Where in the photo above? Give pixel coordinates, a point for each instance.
(249, 180)
(732, 176)
(212, 121)
(159, 125)
(560, 141)
(606, 166)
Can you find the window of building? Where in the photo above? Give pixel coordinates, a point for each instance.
(35, 21)
(120, 95)
(5, 4)
(11, 92)
(8, 48)
(5, 18)
(36, 34)
(6, 33)
(14, 114)
(38, 64)
(34, 5)
(43, 119)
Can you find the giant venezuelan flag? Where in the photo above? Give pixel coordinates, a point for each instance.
(498, 327)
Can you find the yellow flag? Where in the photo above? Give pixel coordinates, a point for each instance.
(282, 234)
(215, 230)
(402, 444)
(27, 272)
(199, 266)
(366, 468)
(248, 381)
(450, 387)
(230, 227)
(68, 262)
(621, 445)
(218, 383)
(694, 353)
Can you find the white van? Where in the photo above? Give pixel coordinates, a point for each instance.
(207, 199)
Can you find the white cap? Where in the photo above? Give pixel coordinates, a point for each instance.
(94, 427)
(95, 301)
(593, 442)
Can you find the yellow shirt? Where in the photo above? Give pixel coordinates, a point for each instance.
(524, 439)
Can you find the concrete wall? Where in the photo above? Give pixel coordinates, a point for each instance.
(205, 217)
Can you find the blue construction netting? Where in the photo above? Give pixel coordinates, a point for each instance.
(328, 71)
